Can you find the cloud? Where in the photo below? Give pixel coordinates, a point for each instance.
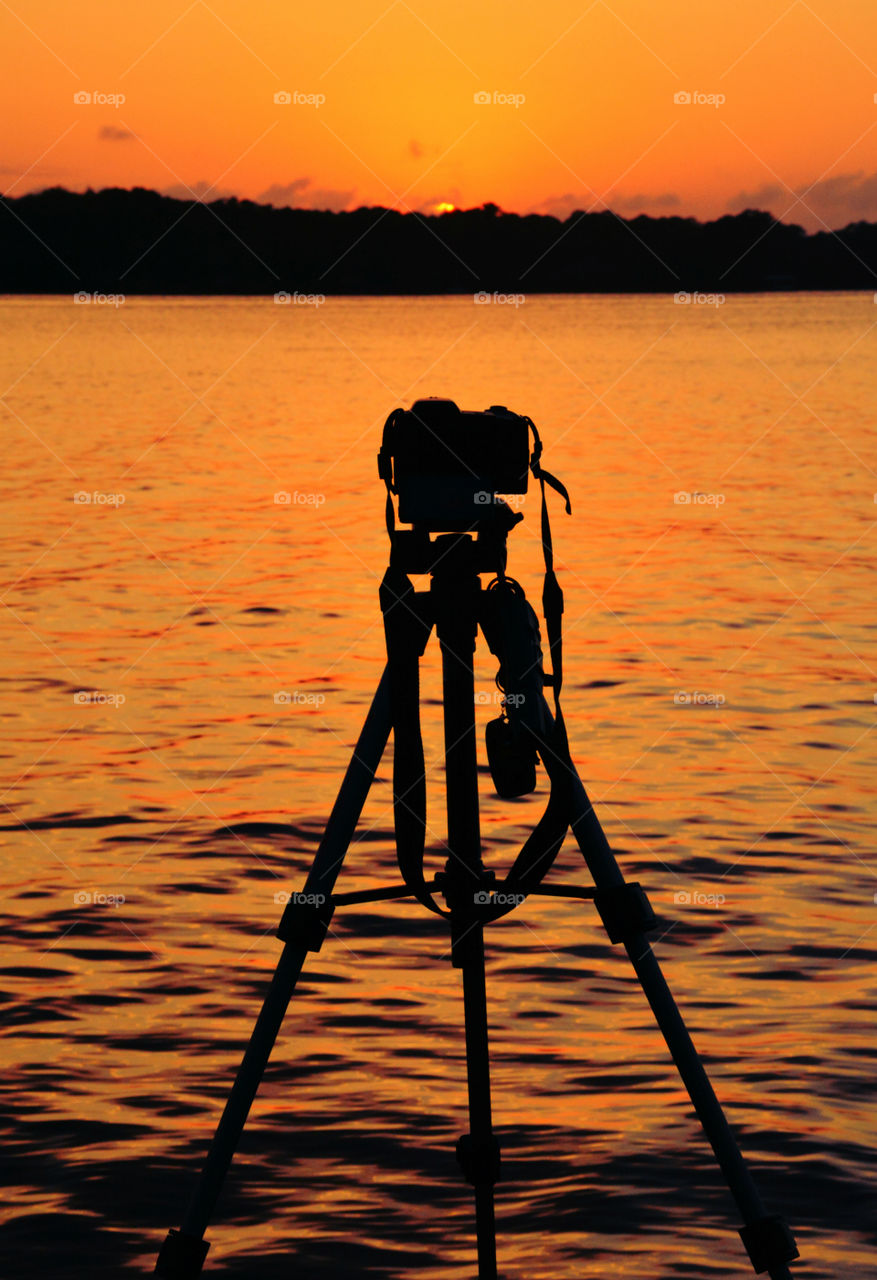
(111, 133)
(299, 194)
(644, 203)
(831, 202)
(198, 191)
(562, 206)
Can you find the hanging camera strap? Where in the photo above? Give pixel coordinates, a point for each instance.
(407, 628)
(552, 593)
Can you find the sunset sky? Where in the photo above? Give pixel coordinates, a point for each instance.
(581, 109)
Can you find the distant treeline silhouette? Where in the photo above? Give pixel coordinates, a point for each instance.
(131, 242)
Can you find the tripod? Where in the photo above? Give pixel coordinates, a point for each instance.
(456, 605)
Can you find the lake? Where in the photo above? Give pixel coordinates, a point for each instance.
(720, 685)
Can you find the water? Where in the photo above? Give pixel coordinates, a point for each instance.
(720, 693)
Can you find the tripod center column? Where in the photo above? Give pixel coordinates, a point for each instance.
(456, 590)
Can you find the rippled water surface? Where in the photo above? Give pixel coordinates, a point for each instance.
(720, 693)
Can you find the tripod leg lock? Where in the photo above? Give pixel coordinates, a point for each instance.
(769, 1243)
(479, 1160)
(466, 941)
(181, 1257)
(305, 923)
(625, 910)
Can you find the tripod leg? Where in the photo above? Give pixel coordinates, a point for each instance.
(768, 1240)
(478, 1151)
(302, 929)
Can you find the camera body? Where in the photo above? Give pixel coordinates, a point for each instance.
(447, 464)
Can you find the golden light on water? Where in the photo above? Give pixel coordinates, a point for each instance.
(719, 685)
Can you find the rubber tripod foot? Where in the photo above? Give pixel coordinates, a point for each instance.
(181, 1256)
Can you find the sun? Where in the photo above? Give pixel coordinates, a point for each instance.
(445, 206)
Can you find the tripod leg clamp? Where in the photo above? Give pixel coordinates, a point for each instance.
(625, 910)
(479, 1160)
(769, 1243)
(466, 937)
(304, 922)
(181, 1257)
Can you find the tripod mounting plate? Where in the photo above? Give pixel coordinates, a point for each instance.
(413, 551)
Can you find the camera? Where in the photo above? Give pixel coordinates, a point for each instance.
(446, 464)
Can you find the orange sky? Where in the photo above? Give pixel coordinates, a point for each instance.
(585, 109)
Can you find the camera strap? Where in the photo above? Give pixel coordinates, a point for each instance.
(552, 593)
(385, 469)
(407, 631)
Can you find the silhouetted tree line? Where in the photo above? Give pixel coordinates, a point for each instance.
(117, 241)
